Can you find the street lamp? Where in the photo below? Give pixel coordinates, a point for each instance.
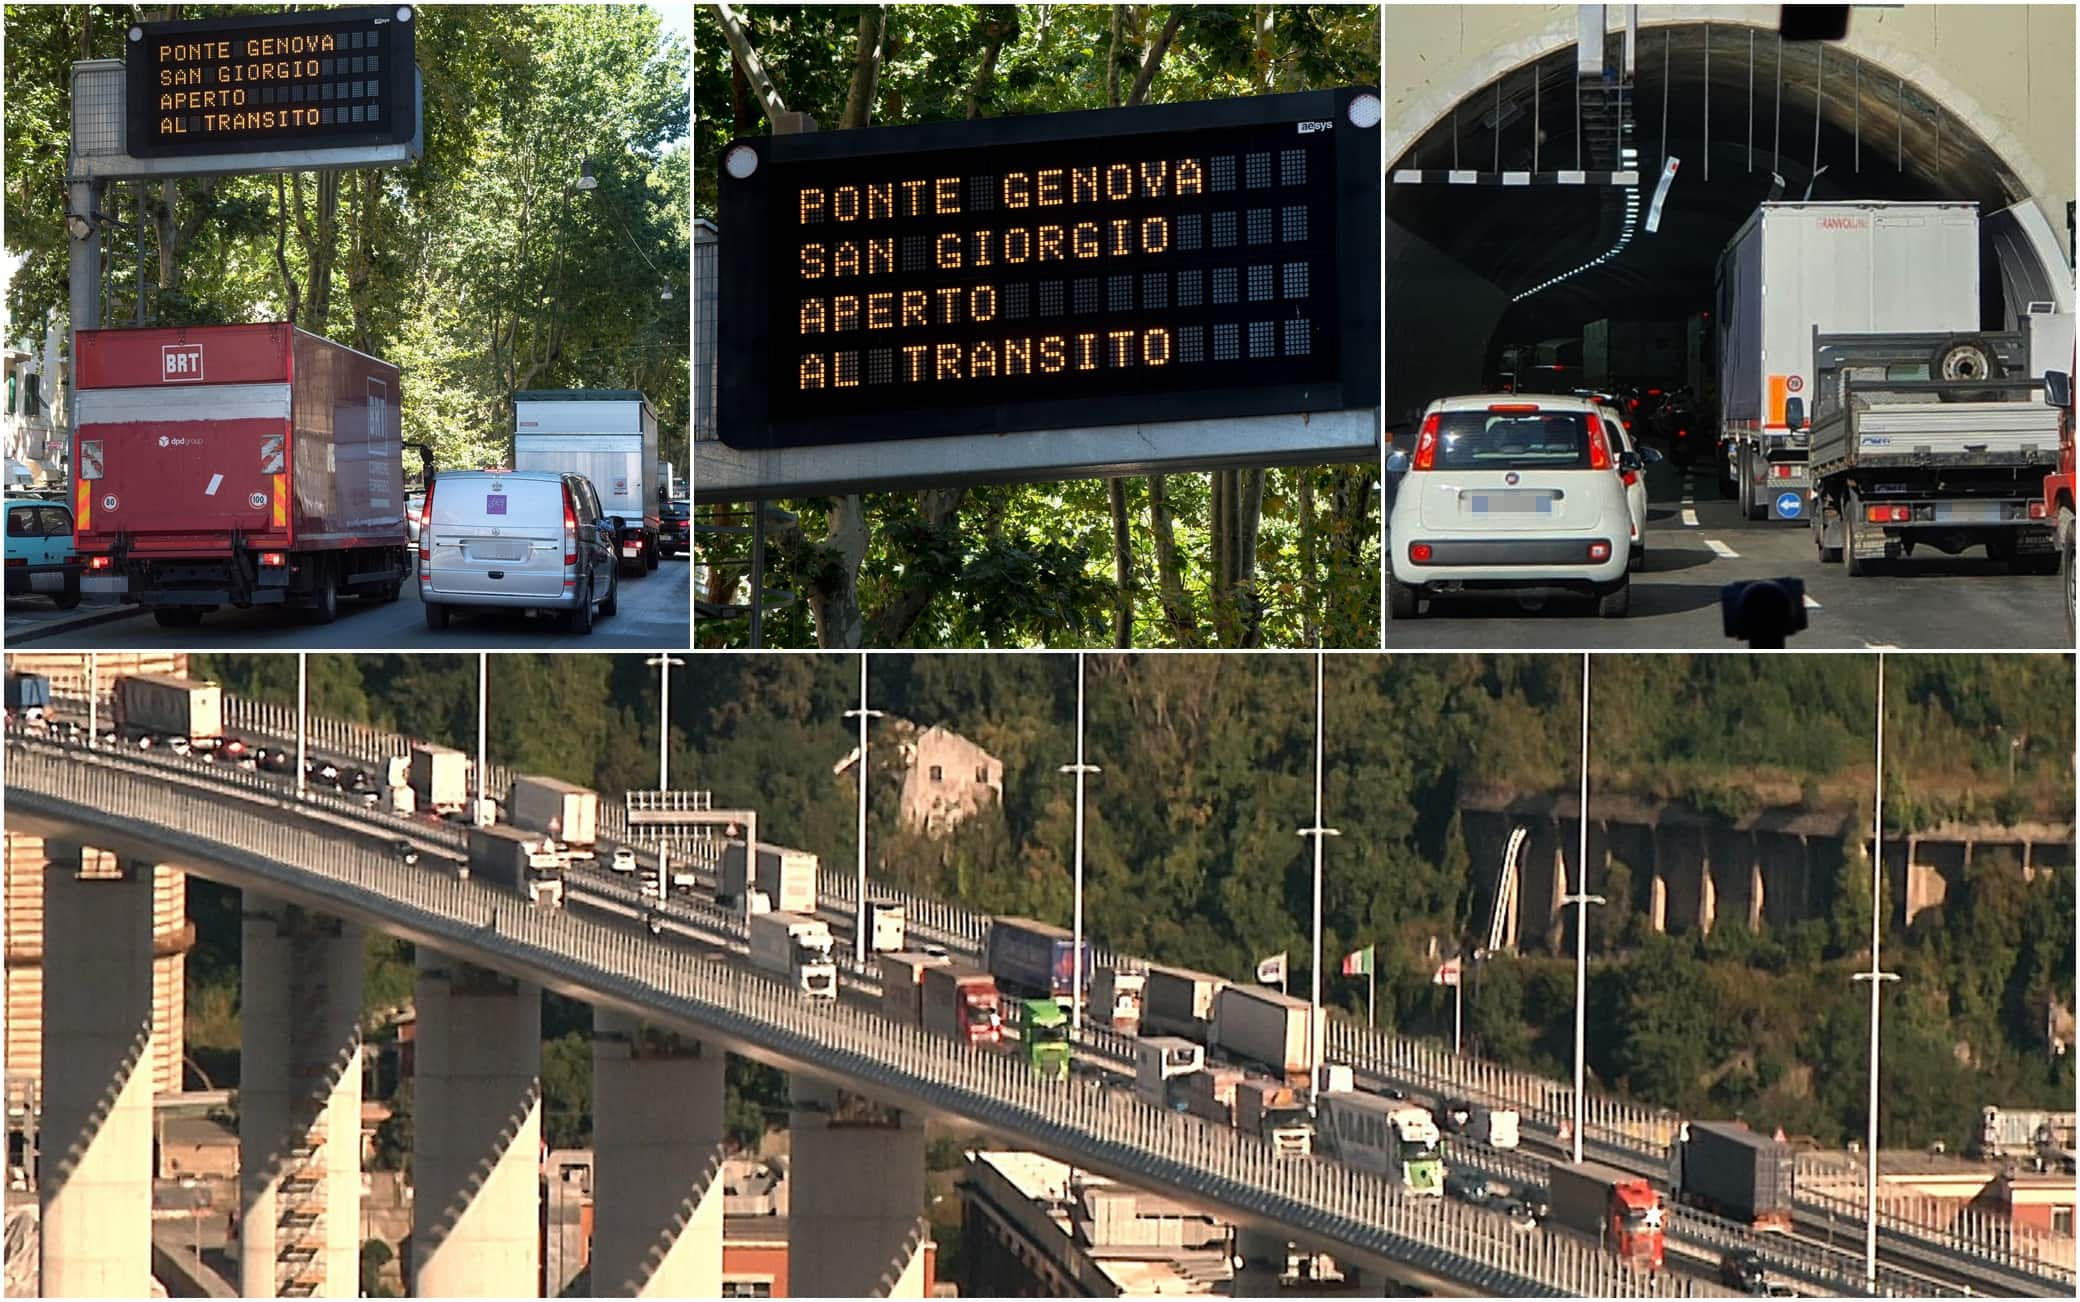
(586, 180)
(859, 901)
(1877, 978)
(303, 703)
(1581, 899)
(476, 814)
(1314, 1012)
(664, 662)
(1080, 769)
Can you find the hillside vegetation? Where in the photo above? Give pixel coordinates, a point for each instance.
(1207, 761)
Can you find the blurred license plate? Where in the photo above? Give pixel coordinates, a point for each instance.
(498, 551)
(1518, 502)
(1968, 512)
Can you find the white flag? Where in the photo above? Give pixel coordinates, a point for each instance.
(1447, 973)
(1272, 971)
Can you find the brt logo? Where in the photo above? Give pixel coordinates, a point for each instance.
(180, 362)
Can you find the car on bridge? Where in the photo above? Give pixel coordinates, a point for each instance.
(1510, 491)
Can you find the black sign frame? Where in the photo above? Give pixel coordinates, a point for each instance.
(398, 97)
(745, 355)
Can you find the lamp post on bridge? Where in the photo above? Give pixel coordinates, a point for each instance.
(1581, 899)
(303, 705)
(859, 901)
(664, 662)
(476, 813)
(1317, 832)
(1080, 769)
(1877, 977)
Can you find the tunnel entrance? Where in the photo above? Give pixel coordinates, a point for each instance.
(1493, 248)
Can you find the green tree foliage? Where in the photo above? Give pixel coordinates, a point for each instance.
(479, 270)
(979, 566)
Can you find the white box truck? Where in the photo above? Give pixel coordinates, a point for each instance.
(1160, 1060)
(440, 778)
(886, 926)
(162, 705)
(610, 437)
(787, 878)
(797, 949)
(1871, 266)
(564, 810)
(524, 862)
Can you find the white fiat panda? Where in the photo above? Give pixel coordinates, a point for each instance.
(1510, 491)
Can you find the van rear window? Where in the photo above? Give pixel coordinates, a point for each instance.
(1488, 440)
(480, 499)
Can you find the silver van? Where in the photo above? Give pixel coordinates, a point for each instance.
(528, 539)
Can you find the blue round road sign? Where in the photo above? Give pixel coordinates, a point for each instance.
(1790, 504)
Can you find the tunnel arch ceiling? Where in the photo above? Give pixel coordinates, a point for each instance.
(1479, 88)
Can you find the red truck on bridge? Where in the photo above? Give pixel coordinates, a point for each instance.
(236, 465)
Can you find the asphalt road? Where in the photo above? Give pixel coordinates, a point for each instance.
(654, 610)
(1697, 542)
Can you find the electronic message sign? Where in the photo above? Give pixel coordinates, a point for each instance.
(1074, 269)
(244, 84)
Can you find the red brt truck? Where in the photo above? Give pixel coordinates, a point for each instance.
(236, 465)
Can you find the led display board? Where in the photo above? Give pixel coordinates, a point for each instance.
(1073, 269)
(254, 82)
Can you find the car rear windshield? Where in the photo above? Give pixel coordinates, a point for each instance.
(484, 500)
(1527, 440)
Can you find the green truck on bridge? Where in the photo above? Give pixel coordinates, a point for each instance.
(1043, 1037)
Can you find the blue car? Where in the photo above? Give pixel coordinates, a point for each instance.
(40, 558)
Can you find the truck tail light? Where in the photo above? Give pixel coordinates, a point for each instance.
(1888, 514)
(1599, 450)
(1599, 551)
(2036, 511)
(1784, 470)
(1426, 444)
(274, 559)
(100, 562)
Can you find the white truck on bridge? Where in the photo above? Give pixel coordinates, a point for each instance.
(564, 810)
(797, 949)
(440, 778)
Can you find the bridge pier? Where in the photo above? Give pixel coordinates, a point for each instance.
(477, 1134)
(855, 1194)
(299, 1103)
(657, 1161)
(95, 1189)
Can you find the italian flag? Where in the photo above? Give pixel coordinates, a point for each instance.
(1358, 963)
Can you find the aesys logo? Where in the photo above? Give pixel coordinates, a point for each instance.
(1309, 128)
(180, 362)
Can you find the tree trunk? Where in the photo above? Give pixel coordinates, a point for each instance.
(1310, 571)
(834, 600)
(292, 297)
(996, 29)
(1249, 520)
(1177, 608)
(1119, 15)
(748, 62)
(866, 67)
(1154, 58)
(1122, 565)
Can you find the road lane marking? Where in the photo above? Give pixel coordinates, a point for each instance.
(1689, 518)
(1721, 550)
(1810, 603)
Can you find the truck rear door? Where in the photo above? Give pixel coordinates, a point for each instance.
(174, 468)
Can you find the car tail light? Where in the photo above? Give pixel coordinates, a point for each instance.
(1653, 393)
(274, 559)
(1682, 433)
(1514, 407)
(1599, 551)
(426, 527)
(2036, 511)
(1599, 450)
(570, 529)
(1888, 514)
(1426, 444)
(1784, 470)
(18, 560)
(1419, 553)
(100, 562)
(1631, 477)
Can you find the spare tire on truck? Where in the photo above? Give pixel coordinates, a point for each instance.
(1966, 357)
